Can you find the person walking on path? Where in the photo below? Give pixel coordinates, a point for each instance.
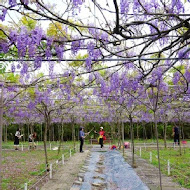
(101, 137)
(81, 138)
(17, 137)
(176, 135)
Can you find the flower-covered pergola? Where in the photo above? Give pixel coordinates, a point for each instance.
(95, 60)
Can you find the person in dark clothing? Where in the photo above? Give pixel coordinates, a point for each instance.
(81, 138)
(17, 137)
(176, 135)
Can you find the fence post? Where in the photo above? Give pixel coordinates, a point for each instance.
(70, 152)
(63, 160)
(150, 157)
(168, 167)
(144, 145)
(50, 146)
(22, 148)
(50, 171)
(25, 186)
(140, 151)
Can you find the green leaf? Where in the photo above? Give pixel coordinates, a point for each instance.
(28, 22)
(3, 67)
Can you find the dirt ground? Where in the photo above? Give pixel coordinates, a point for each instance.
(67, 173)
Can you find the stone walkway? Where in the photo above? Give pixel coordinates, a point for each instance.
(149, 174)
(66, 175)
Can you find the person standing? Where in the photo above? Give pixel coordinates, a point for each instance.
(101, 137)
(81, 138)
(17, 137)
(176, 135)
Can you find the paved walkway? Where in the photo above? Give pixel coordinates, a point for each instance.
(66, 175)
(149, 174)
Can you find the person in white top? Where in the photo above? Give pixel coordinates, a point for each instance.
(17, 137)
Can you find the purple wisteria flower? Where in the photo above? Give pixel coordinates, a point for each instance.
(75, 46)
(184, 53)
(37, 35)
(22, 42)
(13, 68)
(124, 7)
(3, 14)
(59, 51)
(37, 62)
(88, 63)
(48, 53)
(12, 3)
(13, 36)
(24, 69)
(176, 78)
(4, 47)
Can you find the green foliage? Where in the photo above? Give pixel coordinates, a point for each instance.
(55, 29)
(182, 30)
(31, 92)
(12, 78)
(79, 28)
(28, 22)
(181, 68)
(2, 35)
(100, 67)
(78, 63)
(3, 67)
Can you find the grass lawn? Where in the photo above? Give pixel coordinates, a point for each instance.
(180, 165)
(21, 167)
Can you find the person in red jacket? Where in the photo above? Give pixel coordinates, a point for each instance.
(101, 137)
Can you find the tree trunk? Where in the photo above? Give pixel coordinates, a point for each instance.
(152, 133)
(45, 142)
(62, 131)
(144, 132)
(158, 152)
(119, 136)
(180, 151)
(123, 137)
(32, 132)
(165, 128)
(137, 131)
(112, 130)
(1, 126)
(23, 131)
(132, 142)
(28, 129)
(41, 132)
(53, 133)
(73, 134)
(182, 131)
(5, 133)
